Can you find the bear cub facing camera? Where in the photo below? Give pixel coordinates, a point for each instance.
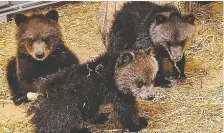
(74, 94)
(139, 24)
(40, 51)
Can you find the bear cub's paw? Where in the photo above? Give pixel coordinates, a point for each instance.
(102, 118)
(18, 99)
(141, 125)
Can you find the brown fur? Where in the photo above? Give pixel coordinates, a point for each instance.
(172, 36)
(141, 25)
(142, 69)
(73, 95)
(40, 52)
(32, 38)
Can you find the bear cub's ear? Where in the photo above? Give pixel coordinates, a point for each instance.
(125, 58)
(160, 19)
(147, 51)
(52, 15)
(20, 19)
(189, 18)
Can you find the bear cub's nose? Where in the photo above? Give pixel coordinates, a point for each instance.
(39, 55)
(151, 97)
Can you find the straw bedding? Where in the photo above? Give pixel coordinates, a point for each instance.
(194, 105)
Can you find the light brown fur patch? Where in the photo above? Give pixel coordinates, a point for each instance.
(143, 67)
(30, 36)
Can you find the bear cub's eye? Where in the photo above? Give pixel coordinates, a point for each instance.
(182, 43)
(140, 83)
(46, 40)
(29, 41)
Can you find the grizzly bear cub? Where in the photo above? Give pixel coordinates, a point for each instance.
(143, 24)
(72, 96)
(40, 51)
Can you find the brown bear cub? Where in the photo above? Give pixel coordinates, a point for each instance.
(72, 97)
(143, 24)
(40, 51)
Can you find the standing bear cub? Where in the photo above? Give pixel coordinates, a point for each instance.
(72, 97)
(40, 51)
(139, 24)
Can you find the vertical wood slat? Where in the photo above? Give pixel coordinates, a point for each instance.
(106, 17)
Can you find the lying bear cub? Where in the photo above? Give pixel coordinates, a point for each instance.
(72, 96)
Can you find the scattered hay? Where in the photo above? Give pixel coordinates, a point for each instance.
(192, 106)
(196, 104)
